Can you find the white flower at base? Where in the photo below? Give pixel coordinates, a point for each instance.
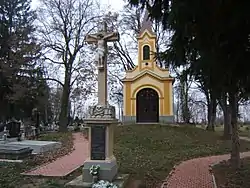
(94, 170)
(104, 184)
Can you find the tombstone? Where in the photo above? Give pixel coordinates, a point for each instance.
(5, 133)
(2, 125)
(14, 152)
(14, 128)
(33, 131)
(101, 121)
(18, 145)
(37, 146)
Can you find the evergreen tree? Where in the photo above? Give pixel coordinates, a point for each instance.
(19, 53)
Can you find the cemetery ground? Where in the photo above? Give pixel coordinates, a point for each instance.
(10, 176)
(146, 152)
(244, 130)
(225, 176)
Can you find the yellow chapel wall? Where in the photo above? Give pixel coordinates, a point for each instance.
(127, 98)
(163, 88)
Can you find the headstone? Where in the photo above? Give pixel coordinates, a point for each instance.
(2, 125)
(37, 146)
(33, 132)
(23, 136)
(14, 152)
(5, 133)
(14, 128)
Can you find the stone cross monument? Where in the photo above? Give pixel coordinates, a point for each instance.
(102, 120)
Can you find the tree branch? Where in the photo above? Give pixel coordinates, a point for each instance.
(53, 79)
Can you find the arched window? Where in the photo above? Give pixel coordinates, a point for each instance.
(146, 52)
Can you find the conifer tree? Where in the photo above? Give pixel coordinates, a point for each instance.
(19, 53)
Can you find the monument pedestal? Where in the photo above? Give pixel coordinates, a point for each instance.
(101, 125)
(108, 169)
(101, 133)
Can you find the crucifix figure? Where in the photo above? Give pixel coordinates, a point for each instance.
(101, 39)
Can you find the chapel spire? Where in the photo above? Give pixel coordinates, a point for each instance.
(146, 23)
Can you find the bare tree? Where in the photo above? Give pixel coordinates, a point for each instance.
(182, 89)
(54, 99)
(197, 106)
(63, 24)
(129, 24)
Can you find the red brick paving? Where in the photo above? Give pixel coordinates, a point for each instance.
(194, 173)
(66, 164)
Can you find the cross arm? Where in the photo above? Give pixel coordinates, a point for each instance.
(91, 39)
(112, 37)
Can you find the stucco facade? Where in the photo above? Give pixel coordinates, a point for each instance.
(147, 74)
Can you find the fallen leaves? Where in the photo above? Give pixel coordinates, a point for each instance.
(226, 176)
(67, 147)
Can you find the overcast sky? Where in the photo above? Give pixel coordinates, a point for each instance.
(116, 5)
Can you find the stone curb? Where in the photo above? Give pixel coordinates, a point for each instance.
(212, 174)
(165, 182)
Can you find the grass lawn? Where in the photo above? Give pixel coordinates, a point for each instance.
(10, 172)
(243, 130)
(148, 153)
(225, 176)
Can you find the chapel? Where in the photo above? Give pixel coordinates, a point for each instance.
(147, 89)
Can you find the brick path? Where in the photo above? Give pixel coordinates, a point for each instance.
(194, 173)
(66, 164)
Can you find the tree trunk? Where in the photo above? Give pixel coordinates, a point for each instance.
(211, 113)
(178, 109)
(63, 117)
(186, 109)
(184, 100)
(235, 154)
(227, 133)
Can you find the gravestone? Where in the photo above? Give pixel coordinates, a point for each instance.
(14, 152)
(14, 128)
(37, 146)
(2, 125)
(101, 121)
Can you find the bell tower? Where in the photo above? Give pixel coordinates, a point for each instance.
(147, 88)
(146, 45)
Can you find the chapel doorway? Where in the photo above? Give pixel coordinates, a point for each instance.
(147, 106)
